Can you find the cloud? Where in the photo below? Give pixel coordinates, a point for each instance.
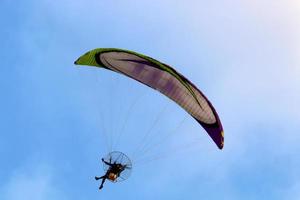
(31, 184)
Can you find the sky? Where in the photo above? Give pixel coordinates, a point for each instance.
(58, 120)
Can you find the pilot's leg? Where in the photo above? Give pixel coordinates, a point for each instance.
(97, 178)
(103, 180)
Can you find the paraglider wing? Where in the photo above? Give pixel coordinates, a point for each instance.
(163, 78)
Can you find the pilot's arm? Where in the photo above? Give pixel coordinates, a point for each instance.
(107, 163)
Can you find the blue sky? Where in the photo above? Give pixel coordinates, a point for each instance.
(54, 117)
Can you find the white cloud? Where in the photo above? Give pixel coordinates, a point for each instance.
(31, 184)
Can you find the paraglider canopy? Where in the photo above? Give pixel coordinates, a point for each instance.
(163, 78)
